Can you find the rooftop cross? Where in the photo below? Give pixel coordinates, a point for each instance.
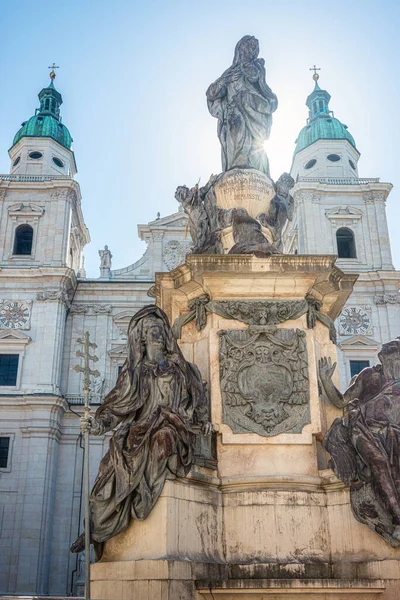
(52, 72)
(315, 69)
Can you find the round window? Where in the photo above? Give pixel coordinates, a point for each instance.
(310, 163)
(353, 166)
(35, 155)
(58, 162)
(333, 157)
(16, 161)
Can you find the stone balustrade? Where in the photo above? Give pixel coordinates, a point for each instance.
(338, 180)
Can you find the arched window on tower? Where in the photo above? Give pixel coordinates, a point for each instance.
(346, 246)
(23, 240)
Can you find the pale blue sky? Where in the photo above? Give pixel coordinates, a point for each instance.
(133, 77)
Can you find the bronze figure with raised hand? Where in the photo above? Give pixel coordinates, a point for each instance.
(158, 397)
(365, 444)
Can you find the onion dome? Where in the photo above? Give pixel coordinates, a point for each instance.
(46, 121)
(321, 124)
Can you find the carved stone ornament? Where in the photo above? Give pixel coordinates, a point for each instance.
(175, 253)
(97, 309)
(15, 314)
(382, 299)
(79, 309)
(45, 295)
(254, 312)
(101, 309)
(264, 380)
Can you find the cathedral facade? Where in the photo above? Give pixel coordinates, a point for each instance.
(47, 302)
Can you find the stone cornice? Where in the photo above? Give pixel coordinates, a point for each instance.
(362, 187)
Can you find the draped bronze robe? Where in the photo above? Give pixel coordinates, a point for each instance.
(152, 408)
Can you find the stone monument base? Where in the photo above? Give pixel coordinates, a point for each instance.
(270, 520)
(248, 538)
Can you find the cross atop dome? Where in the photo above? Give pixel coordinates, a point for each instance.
(315, 69)
(52, 74)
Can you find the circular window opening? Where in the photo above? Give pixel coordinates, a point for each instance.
(58, 162)
(353, 166)
(35, 155)
(310, 163)
(16, 161)
(333, 157)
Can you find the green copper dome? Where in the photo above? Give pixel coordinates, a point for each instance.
(47, 122)
(321, 124)
(323, 128)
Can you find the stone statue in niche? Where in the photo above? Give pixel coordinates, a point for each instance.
(158, 398)
(264, 380)
(243, 103)
(365, 443)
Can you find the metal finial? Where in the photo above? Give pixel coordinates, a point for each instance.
(52, 72)
(315, 69)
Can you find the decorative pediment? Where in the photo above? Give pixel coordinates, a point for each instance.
(340, 216)
(122, 320)
(118, 351)
(359, 342)
(175, 222)
(14, 338)
(25, 210)
(344, 212)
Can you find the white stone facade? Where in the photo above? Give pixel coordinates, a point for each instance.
(325, 203)
(41, 486)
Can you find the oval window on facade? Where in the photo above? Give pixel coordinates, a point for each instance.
(35, 155)
(333, 157)
(16, 161)
(310, 163)
(353, 166)
(58, 162)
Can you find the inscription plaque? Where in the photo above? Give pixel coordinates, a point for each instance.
(247, 188)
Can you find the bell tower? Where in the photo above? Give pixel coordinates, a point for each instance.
(42, 236)
(338, 212)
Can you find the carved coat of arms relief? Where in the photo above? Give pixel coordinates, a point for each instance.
(264, 380)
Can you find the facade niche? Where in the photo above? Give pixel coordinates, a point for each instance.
(23, 240)
(346, 246)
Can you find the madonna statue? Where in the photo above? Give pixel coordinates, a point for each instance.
(157, 398)
(243, 103)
